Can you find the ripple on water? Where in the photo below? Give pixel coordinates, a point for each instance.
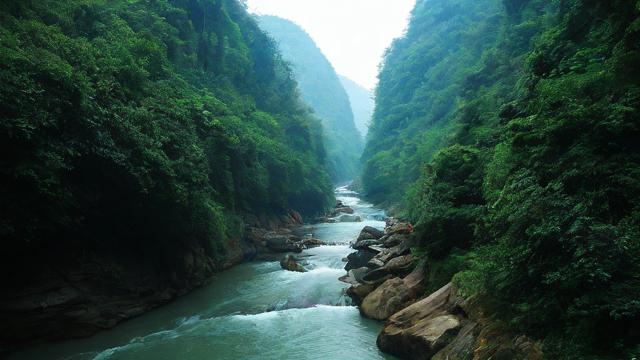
(286, 334)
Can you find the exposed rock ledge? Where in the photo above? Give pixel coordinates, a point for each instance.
(387, 284)
(78, 296)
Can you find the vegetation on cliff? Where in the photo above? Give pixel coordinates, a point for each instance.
(139, 129)
(514, 124)
(321, 88)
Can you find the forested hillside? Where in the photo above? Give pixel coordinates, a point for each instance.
(321, 89)
(508, 130)
(361, 104)
(141, 135)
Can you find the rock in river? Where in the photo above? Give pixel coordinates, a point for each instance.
(421, 330)
(289, 263)
(359, 259)
(369, 232)
(386, 300)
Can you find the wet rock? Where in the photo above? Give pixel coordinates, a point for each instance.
(399, 265)
(358, 292)
(369, 232)
(354, 276)
(311, 242)
(387, 254)
(393, 240)
(365, 244)
(349, 218)
(344, 209)
(421, 330)
(359, 259)
(291, 264)
(376, 277)
(399, 228)
(375, 263)
(282, 243)
(463, 345)
(386, 300)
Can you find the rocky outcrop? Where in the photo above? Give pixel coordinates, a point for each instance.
(386, 300)
(291, 264)
(423, 328)
(349, 218)
(359, 259)
(369, 232)
(442, 327)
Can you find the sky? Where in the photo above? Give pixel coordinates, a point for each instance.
(352, 34)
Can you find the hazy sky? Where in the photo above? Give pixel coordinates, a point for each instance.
(353, 34)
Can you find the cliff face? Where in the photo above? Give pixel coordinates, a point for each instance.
(494, 127)
(362, 104)
(138, 139)
(321, 88)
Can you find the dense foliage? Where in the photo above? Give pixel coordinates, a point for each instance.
(512, 127)
(143, 127)
(362, 104)
(320, 87)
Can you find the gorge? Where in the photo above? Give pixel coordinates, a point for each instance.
(183, 179)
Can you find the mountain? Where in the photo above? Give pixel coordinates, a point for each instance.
(320, 87)
(507, 130)
(362, 104)
(139, 139)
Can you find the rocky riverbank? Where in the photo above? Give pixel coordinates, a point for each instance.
(388, 283)
(93, 293)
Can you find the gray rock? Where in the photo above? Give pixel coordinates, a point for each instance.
(359, 259)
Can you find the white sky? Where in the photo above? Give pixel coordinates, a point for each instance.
(352, 34)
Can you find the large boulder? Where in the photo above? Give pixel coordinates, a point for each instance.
(421, 330)
(282, 243)
(348, 218)
(344, 209)
(290, 263)
(463, 345)
(369, 232)
(366, 244)
(386, 300)
(354, 276)
(399, 228)
(387, 254)
(358, 292)
(359, 259)
(394, 240)
(309, 242)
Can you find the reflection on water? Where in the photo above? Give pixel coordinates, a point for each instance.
(253, 311)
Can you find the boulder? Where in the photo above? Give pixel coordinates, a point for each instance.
(387, 254)
(290, 263)
(399, 265)
(386, 300)
(359, 259)
(421, 330)
(282, 243)
(394, 240)
(344, 209)
(376, 277)
(369, 232)
(354, 276)
(348, 218)
(358, 292)
(365, 244)
(399, 228)
(463, 345)
(310, 242)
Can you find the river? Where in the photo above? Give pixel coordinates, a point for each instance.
(255, 310)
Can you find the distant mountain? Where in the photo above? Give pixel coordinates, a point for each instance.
(362, 104)
(321, 89)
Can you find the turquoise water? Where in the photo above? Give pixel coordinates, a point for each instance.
(253, 311)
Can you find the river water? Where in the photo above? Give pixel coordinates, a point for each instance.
(255, 310)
